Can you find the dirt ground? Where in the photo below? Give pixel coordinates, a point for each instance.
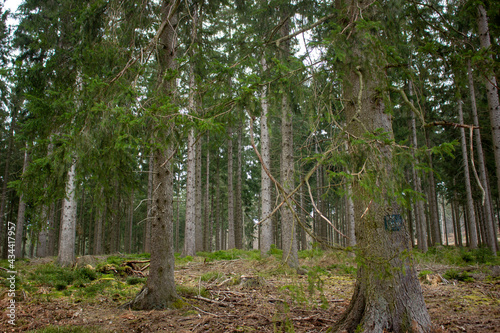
(242, 299)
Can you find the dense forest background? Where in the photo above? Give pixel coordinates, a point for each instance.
(80, 105)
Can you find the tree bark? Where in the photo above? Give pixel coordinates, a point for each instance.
(238, 209)
(98, 249)
(6, 174)
(207, 238)
(471, 215)
(199, 200)
(231, 244)
(420, 222)
(21, 213)
(492, 96)
(217, 207)
(288, 223)
(66, 255)
(159, 291)
(266, 227)
(147, 232)
(387, 295)
(487, 206)
(190, 227)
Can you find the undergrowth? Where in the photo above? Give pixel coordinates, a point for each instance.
(455, 256)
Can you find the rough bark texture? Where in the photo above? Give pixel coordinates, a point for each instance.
(432, 200)
(98, 230)
(21, 214)
(207, 228)
(217, 207)
(420, 223)
(471, 215)
(159, 291)
(66, 255)
(231, 244)
(288, 223)
(190, 227)
(199, 200)
(483, 173)
(266, 227)
(238, 209)
(3, 201)
(387, 293)
(147, 232)
(492, 96)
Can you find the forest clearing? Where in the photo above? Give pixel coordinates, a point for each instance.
(237, 291)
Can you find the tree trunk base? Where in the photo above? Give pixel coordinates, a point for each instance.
(374, 312)
(146, 299)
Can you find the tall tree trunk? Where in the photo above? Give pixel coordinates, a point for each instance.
(432, 200)
(445, 224)
(351, 242)
(387, 295)
(419, 204)
(21, 213)
(190, 227)
(266, 227)
(217, 207)
(490, 224)
(43, 236)
(231, 244)
(159, 291)
(471, 216)
(114, 235)
(54, 228)
(98, 249)
(199, 200)
(288, 223)
(238, 209)
(491, 92)
(6, 174)
(130, 225)
(303, 234)
(149, 216)
(207, 238)
(66, 255)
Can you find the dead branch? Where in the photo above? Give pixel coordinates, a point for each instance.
(447, 123)
(208, 300)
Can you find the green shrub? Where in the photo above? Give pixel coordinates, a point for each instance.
(453, 274)
(211, 276)
(132, 280)
(483, 255)
(425, 273)
(60, 286)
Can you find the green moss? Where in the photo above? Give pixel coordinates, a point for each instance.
(179, 304)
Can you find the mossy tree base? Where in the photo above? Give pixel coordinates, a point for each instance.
(394, 305)
(150, 299)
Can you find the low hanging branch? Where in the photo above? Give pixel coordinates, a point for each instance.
(288, 197)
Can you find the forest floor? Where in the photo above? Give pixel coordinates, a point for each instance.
(235, 291)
